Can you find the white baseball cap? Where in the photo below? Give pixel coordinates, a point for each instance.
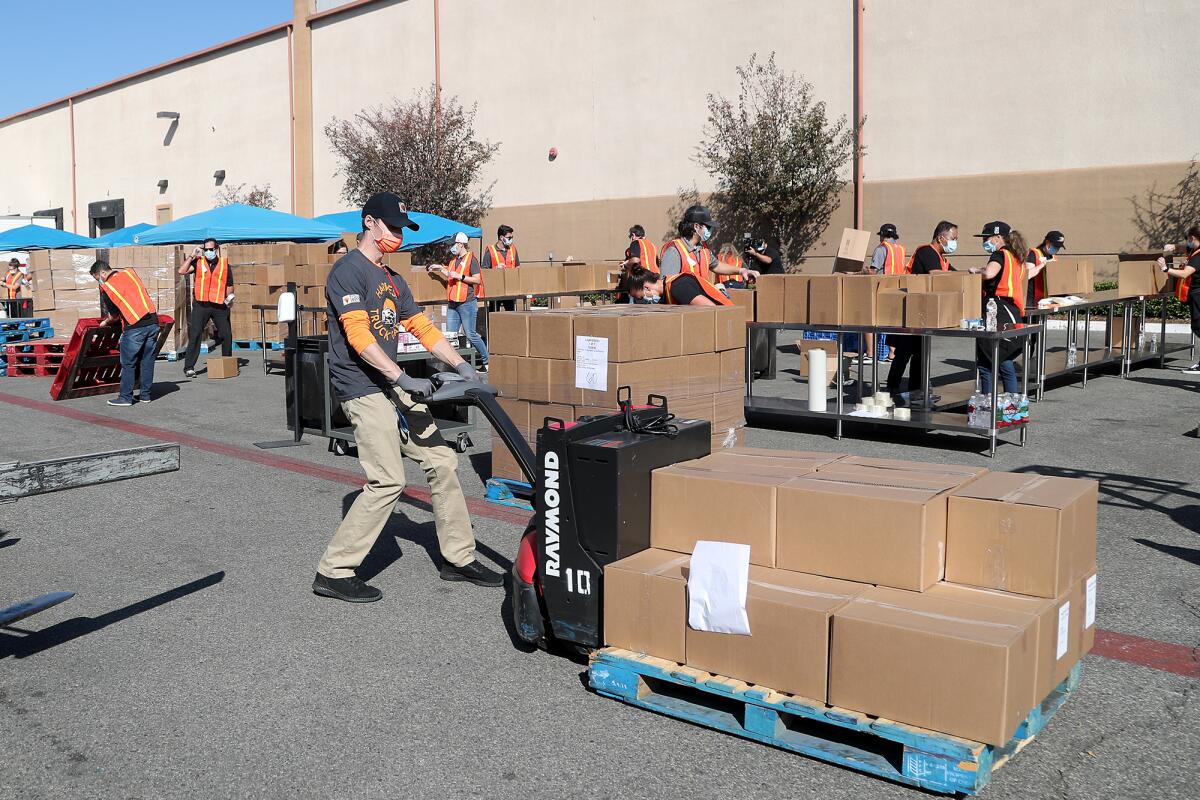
(460, 238)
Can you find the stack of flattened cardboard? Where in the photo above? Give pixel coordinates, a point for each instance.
(567, 363)
(976, 589)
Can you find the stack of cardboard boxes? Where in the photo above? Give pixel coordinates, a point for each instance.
(941, 300)
(695, 357)
(65, 291)
(261, 273)
(941, 596)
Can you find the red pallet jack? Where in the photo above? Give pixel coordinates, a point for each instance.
(591, 500)
(91, 362)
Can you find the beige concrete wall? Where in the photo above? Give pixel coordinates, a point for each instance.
(1115, 73)
(365, 58)
(619, 86)
(234, 115)
(35, 163)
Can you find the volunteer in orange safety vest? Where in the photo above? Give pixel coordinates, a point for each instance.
(1004, 282)
(212, 294)
(124, 301)
(1185, 282)
(464, 283)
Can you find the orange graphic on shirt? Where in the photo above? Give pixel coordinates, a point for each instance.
(385, 322)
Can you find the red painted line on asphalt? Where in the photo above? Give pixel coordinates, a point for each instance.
(1163, 656)
(477, 507)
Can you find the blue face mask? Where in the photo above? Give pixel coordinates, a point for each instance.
(705, 233)
(989, 245)
(210, 254)
(951, 246)
(1051, 249)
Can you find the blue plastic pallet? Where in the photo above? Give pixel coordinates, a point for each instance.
(902, 753)
(10, 325)
(26, 334)
(254, 344)
(500, 491)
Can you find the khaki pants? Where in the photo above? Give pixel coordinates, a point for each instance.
(381, 447)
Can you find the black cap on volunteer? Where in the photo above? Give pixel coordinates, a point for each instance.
(996, 228)
(889, 230)
(1057, 239)
(389, 208)
(699, 214)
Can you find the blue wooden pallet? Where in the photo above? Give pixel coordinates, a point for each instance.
(500, 491)
(254, 344)
(26, 334)
(903, 753)
(10, 325)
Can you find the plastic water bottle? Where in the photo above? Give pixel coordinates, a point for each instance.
(991, 314)
(1071, 351)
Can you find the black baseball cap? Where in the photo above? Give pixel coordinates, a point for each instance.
(1057, 239)
(389, 208)
(996, 228)
(699, 214)
(889, 230)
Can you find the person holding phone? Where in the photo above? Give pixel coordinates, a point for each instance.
(212, 295)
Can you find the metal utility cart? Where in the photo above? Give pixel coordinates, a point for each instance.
(934, 418)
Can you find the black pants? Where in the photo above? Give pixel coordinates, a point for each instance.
(1007, 315)
(908, 349)
(201, 314)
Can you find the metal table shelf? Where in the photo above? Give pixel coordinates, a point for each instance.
(932, 418)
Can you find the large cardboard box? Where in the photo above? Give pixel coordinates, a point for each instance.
(645, 604)
(732, 370)
(578, 278)
(1069, 275)
(508, 333)
(933, 309)
(770, 293)
(825, 299)
(889, 308)
(862, 525)
(730, 327)
(533, 379)
(795, 299)
(562, 383)
(634, 336)
(503, 463)
(424, 286)
(518, 412)
(699, 330)
(963, 669)
(745, 298)
(852, 250)
(551, 335)
(688, 505)
(858, 299)
(788, 646)
(665, 376)
(704, 374)
(540, 412)
(495, 282)
(915, 283)
(1141, 278)
(540, 280)
(698, 406)
(1057, 643)
(222, 366)
(1084, 598)
(1023, 533)
(886, 466)
(762, 461)
(729, 408)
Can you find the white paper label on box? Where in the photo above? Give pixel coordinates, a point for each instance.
(719, 574)
(1089, 614)
(1064, 628)
(591, 363)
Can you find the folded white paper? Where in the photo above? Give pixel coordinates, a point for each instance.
(718, 574)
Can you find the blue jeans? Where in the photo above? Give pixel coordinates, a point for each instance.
(1008, 377)
(137, 350)
(463, 315)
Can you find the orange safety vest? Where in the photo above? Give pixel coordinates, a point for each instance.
(942, 262)
(507, 261)
(1039, 280)
(12, 284)
(127, 292)
(893, 263)
(1183, 285)
(1011, 280)
(208, 286)
(689, 265)
(710, 291)
(647, 254)
(736, 261)
(456, 290)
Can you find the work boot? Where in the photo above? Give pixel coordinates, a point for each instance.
(474, 572)
(352, 589)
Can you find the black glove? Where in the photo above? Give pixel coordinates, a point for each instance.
(467, 372)
(419, 388)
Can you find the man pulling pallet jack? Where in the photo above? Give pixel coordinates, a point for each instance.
(385, 405)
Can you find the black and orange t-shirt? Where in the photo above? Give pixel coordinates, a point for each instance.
(355, 284)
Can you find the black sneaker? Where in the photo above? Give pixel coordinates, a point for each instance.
(474, 572)
(481, 369)
(352, 589)
(120, 402)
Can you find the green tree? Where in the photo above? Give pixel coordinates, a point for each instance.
(779, 161)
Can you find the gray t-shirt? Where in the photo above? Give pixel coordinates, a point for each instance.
(355, 284)
(669, 263)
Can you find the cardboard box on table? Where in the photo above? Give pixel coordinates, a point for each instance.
(960, 668)
(1069, 275)
(746, 299)
(645, 604)
(858, 523)
(859, 293)
(540, 280)
(788, 646)
(1141, 278)
(933, 309)
(1023, 533)
(769, 298)
(915, 283)
(825, 299)
(495, 282)
(795, 299)
(889, 308)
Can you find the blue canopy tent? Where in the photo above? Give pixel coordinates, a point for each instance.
(123, 237)
(35, 237)
(434, 229)
(239, 223)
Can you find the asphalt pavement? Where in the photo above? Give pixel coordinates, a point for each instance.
(194, 660)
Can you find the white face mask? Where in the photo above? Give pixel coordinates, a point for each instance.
(951, 246)
(455, 250)
(508, 240)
